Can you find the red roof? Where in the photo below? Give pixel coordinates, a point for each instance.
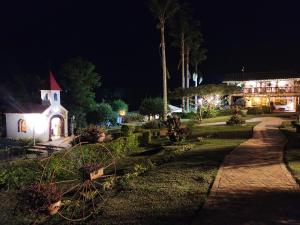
(52, 83)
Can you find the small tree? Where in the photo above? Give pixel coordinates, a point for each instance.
(105, 113)
(152, 106)
(79, 81)
(119, 105)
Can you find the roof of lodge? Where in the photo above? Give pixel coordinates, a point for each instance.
(243, 76)
(26, 108)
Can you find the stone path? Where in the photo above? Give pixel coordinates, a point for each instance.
(253, 187)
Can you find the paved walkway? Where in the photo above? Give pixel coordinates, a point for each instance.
(253, 187)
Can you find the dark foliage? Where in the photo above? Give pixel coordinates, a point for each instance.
(235, 120)
(90, 134)
(37, 198)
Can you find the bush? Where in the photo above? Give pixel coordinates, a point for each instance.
(190, 115)
(266, 109)
(153, 124)
(235, 120)
(119, 105)
(127, 130)
(209, 113)
(254, 110)
(146, 137)
(124, 145)
(91, 134)
(133, 117)
(18, 174)
(105, 113)
(224, 112)
(37, 198)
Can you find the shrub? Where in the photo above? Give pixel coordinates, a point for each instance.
(91, 134)
(255, 110)
(235, 120)
(117, 146)
(175, 132)
(105, 113)
(133, 117)
(224, 112)
(131, 143)
(118, 105)
(190, 115)
(18, 174)
(37, 198)
(146, 137)
(209, 113)
(266, 109)
(124, 145)
(154, 124)
(127, 130)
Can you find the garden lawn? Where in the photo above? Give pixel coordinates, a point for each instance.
(292, 152)
(170, 193)
(174, 191)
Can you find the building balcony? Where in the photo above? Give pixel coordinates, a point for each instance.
(277, 90)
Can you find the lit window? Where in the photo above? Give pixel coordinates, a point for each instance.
(22, 126)
(55, 97)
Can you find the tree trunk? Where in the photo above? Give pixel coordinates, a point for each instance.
(164, 66)
(183, 69)
(187, 78)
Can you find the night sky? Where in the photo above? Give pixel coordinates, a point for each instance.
(121, 39)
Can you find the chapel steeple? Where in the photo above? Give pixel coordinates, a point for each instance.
(50, 95)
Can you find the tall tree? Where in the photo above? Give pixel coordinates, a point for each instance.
(194, 42)
(79, 80)
(163, 10)
(198, 52)
(180, 26)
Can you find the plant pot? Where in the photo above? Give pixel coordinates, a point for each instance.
(54, 208)
(244, 112)
(101, 137)
(96, 173)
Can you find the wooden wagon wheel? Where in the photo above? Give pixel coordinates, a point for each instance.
(83, 174)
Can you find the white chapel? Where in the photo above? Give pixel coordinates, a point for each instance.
(46, 121)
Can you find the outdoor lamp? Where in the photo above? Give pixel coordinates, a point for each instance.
(122, 113)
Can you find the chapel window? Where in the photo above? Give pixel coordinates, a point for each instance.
(22, 126)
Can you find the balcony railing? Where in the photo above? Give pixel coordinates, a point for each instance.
(272, 90)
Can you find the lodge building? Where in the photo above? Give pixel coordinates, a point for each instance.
(278, 90)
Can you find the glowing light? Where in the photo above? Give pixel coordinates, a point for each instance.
(122, 112)
(200, 101)
(250, 84)
(282, 83)
(36, 122)
(56, 109)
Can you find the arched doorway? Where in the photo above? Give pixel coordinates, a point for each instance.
(56, 127)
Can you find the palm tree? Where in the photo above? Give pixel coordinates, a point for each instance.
(198, 53)
(163, 10)
(180, 27)
(194, 42)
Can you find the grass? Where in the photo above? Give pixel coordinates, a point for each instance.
(172, 192)
(247, 117)
(292, 152)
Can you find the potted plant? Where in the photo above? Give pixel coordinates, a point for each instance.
(40, 198)
(92, 171)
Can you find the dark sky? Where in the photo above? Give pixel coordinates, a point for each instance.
(121, 39)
